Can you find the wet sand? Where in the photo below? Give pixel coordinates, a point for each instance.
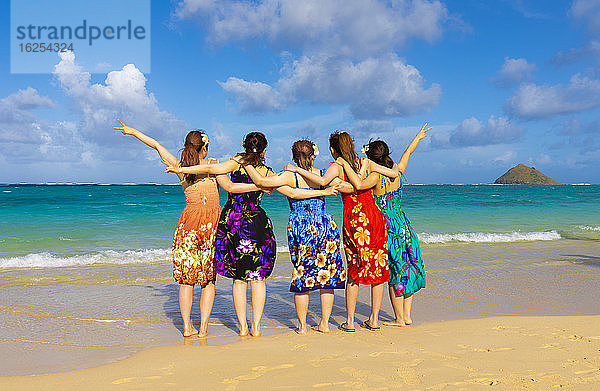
(60, 319)
(505, 353)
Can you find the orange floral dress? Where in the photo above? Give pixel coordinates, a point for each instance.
(365, 238)
(194, 240)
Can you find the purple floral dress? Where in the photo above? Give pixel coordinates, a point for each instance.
(245, 243)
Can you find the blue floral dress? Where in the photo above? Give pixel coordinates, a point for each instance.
(407, 273)
(245, 243)
(314, 242)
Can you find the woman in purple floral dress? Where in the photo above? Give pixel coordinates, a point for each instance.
(245, 242)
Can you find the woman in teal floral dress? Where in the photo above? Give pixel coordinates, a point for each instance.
(313, 236)
(407, 272)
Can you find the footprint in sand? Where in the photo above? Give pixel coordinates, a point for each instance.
(339, 383)
(377, 354)
(317, 362)
(408, 375)
(256, 373)
(130, 379)
(300, 346)
(474, 349)
(500, 327)
(551, 346)
(168, 370)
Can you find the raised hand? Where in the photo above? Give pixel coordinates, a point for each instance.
(124, 128)
(423, 132)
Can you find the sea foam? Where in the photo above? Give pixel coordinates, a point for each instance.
(488, 237)
(46, 259)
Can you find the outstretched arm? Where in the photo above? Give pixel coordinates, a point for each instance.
(411, 147)
(281, 179)
(214, 168)
(331, 173)
(355, 179)
(297, 193)
(165, 155)
(226, 184)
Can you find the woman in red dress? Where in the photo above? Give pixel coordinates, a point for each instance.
(364, 236)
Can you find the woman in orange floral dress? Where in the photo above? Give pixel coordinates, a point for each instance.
(194, 239)
(364, 236)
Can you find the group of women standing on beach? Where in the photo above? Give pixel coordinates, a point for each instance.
(238, 242)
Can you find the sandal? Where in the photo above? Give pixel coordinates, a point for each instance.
(344, 327)
(367, 326)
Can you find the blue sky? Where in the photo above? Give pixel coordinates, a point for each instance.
(501, 83)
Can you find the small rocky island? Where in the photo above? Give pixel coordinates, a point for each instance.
(524, 175)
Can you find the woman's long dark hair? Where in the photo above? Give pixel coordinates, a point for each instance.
(343, 145)
(190, 156)
(379, 152)
(302, 151)
(254, 144)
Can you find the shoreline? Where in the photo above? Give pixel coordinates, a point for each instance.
(129, 308)
(510, 352)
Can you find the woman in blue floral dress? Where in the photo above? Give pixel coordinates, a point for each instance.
(407, 272)
(245, 244)
(313, 236)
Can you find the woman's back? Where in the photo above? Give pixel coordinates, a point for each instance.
(251, 198)
(307, 206)
(386, 185)
(203, 191)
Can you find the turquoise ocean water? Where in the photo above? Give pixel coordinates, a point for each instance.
(85, 270)
(64, 225)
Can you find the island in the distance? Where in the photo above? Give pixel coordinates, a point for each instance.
(524, 175)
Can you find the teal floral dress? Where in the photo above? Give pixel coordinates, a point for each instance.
(407, 273)
(314, 242)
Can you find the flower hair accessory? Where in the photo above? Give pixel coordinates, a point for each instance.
(254, 150)
(316, 150)
(365, 148)
(205, 139)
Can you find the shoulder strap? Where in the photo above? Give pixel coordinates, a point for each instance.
(296, 178)
(321, 174)
(383, 182)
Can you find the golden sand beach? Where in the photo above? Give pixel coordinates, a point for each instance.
(497, 353)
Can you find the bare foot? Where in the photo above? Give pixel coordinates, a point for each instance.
(408, 321)
(301, 331)
(396, 323)
(243, 331)
(321, 329)
(190, 332)
(202, 334)
(255, 331)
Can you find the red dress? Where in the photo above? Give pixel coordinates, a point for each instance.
(365, 238)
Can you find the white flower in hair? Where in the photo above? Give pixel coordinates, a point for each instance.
(365, 149)
(316, 150)
(205, 139)
(254, 150)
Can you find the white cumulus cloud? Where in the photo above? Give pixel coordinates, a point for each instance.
(533, 101)
(514, 71)
(337, 51)
(350, 27)
(472, 132)
(587, 11)
(123, 95)
(373, 88)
